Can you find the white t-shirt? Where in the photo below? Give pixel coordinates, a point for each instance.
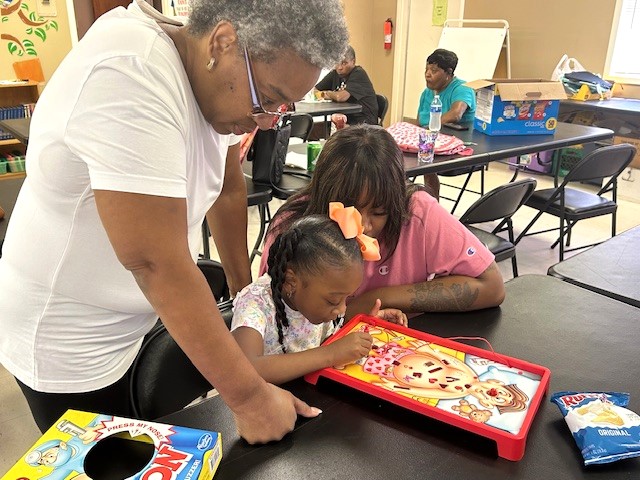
(118, 114)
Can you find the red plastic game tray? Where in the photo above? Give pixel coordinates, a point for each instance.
(484, 392)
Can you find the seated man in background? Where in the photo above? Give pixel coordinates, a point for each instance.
(458, 100)
(349, 82)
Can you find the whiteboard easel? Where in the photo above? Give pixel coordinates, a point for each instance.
(478, 48)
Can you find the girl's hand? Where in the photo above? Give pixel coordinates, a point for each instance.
(392, 315)
(350, 348)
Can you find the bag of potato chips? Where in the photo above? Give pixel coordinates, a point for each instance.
(604, 430)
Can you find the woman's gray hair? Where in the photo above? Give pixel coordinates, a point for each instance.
(314, 29)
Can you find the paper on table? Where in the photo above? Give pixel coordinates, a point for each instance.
(296, 160)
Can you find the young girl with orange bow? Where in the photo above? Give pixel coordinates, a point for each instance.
(281, 319)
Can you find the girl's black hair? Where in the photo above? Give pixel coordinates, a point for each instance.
(361, 159)
(312, 244)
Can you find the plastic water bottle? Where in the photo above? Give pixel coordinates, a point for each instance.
(435, 113)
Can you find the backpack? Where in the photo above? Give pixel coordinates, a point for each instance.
(406, 136)
(268, 153)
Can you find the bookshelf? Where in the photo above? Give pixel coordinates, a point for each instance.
(14, 93)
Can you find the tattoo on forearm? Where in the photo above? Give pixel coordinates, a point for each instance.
(434, 296)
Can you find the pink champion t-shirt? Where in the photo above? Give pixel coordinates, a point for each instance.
(433, 243)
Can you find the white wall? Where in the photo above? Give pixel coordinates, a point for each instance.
(419, 39)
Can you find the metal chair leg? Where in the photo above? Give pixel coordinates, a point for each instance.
(256, 246)
(561, 239)
(462, 189)
(528, 227)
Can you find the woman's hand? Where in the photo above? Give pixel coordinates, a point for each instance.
(392, 315)
(270, 415)
(350, 348)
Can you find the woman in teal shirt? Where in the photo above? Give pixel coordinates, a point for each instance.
(458, 101)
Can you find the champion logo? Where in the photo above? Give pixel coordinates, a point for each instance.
(471, 251)
(383, 270)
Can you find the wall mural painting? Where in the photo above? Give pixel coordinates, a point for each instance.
(36, 27)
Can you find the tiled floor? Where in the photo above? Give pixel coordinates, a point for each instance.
(18, 431)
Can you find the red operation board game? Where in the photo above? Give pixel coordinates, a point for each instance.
(484, 392)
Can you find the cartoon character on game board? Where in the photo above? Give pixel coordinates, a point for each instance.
(63, 456)
(423, 371)
(470, 411)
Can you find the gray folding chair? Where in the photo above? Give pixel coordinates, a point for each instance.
(501, 203)
(163, 379)
(571, 205)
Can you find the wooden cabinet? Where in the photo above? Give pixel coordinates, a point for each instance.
(11, 95)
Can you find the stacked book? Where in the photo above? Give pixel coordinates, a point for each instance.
(19, 111)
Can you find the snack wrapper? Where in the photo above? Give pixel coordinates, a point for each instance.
(604, 430)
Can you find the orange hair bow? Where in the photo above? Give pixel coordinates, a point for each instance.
(350, 222)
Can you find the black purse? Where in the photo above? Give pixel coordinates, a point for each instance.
(268, 153)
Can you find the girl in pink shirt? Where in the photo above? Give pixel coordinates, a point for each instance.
(429, 261)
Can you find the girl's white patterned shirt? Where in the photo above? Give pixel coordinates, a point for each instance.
(253, 307)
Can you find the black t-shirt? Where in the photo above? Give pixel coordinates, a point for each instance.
(360, 90)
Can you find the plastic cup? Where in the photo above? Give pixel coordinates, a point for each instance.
(313, 150)
(339, 120)
(426, 145)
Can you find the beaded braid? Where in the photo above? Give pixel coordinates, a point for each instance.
(280, 254)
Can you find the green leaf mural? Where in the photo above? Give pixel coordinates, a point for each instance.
(35, 26)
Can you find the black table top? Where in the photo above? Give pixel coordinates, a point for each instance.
(9, 188)
(487, 148)
(588, 341)
(613, 105)
(327, 108)
(18, 127)
(610, 268)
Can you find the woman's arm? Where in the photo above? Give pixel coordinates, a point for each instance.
(280, 368)
(337, 96)
(453, 293)
(227, 219)
(149, 236)
(455, 113)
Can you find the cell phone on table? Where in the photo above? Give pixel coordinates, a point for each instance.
(456, 126)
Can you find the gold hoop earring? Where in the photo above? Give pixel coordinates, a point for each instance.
(211, 63)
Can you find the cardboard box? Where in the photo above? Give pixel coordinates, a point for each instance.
(635, 163)
(517, 107)
(178, 452)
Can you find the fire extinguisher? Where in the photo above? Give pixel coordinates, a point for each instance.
(388, 30)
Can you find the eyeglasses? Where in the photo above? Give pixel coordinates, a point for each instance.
(263, 118)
